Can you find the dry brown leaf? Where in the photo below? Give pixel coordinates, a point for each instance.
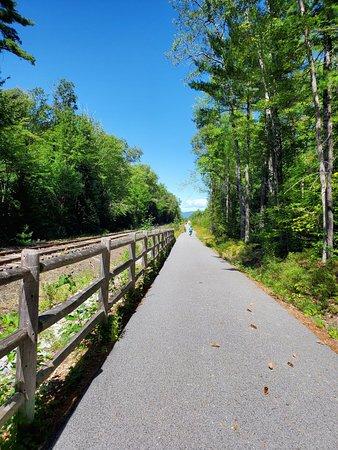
(271, 365)
(252, 325)
(214, 344)
(294, 355)
(265, 390)
(235, 425)
(290, 364)
(320, 342)
(248, 309)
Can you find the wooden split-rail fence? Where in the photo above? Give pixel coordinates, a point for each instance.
(155, 244)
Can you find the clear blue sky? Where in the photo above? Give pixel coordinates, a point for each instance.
(114, 52)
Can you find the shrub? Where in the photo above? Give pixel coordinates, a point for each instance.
(25, 237)
(231, 250)
(251, 255)
(322, 283)
(333, 332)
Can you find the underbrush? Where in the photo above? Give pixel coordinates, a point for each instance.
(300, 279)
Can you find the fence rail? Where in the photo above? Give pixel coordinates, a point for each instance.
(12, 257)
(31, 323)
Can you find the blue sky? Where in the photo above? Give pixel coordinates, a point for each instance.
(114, 52)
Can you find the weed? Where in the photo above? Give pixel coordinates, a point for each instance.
(333, 332)
(25, 237)
(319, 321)
(9, 324)
(61, 289)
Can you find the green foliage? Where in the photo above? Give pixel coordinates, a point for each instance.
(74, 322)
(256, 144)
(8, 324)
(66, 285)
(333, 332)
(62, 175)
(25, 237)
(10, 40)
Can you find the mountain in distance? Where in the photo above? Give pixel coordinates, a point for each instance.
(187, 214)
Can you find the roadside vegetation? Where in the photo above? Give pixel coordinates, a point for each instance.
(265, 124)
(61, 175)
(265, 140)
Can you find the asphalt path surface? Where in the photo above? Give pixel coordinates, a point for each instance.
(191, 370)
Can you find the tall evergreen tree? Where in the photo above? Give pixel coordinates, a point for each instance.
(10, 40)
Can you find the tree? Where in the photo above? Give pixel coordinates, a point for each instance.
(64, 96)
(256, 138)
(10, 40)
(62, 175)
(325, 158)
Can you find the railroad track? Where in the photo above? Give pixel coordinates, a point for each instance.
(11, 258)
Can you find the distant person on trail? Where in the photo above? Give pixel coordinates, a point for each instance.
(190, 230)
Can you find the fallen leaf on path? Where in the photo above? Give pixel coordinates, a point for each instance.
(320, 342)
(248, 309)
(271, 365)
(265, 390)
(214, 344)
(252, 325)
(235, 425)
(294, 355)
(290, 364)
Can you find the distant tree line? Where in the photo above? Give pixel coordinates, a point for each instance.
(265, 143)
(62, 175)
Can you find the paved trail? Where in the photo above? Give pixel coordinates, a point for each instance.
(165, 386)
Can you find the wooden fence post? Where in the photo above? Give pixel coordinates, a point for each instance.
(161, 242)
(158, 244)
(155, 247)
(105, 273)
(145, 249)
(28, 320)
(132, 253)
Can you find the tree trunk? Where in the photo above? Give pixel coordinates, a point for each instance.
(328, 141)
(319, 129)
(272, 135)
(247, 174)
(238, 176)
(263, 196)
(227, 193)
(247, 205)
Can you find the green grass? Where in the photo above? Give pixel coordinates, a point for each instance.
(8, 324)
(61, 289)
(52, 294)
